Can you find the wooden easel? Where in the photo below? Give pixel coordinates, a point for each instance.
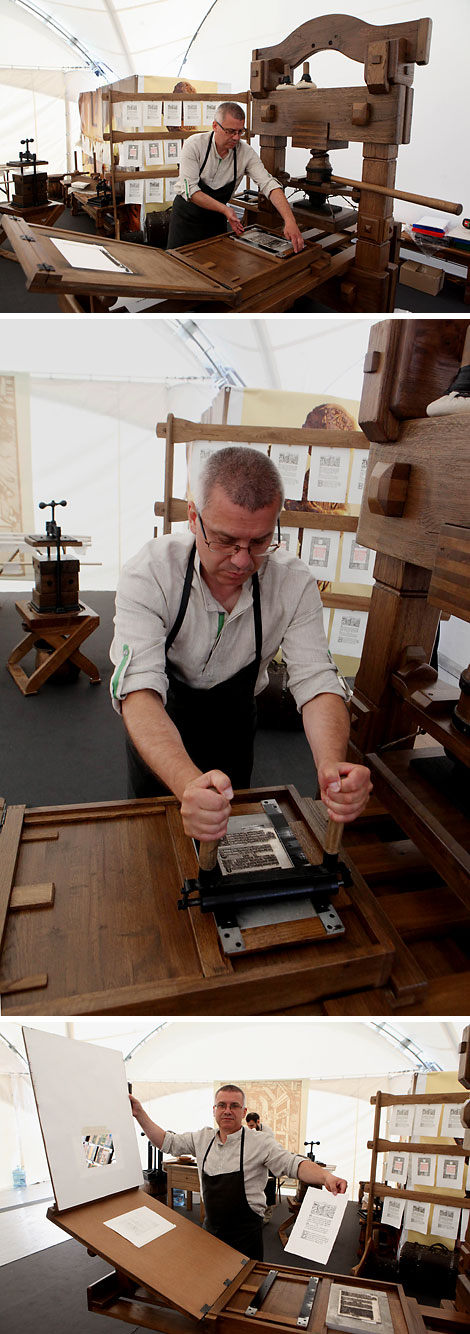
(64, 633)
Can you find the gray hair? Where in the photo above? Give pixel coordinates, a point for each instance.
(248, 478)
(230, 1088)
(229, 109)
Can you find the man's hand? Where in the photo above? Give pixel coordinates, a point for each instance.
(205, 806)
(344, 789)
(292, 234)
(136, 1106)
(337, 1185)
(235, 222)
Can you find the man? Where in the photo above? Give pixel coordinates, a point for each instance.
(199, 617)
(233, 1167)
(254, 1122)
(212, 166)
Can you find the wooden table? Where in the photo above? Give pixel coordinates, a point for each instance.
(64, 632)
(102, 214)
(183, 1176)
(451, 253)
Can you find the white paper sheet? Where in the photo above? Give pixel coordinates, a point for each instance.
(154, 152)
(450, 1172)
(172, 113)
(445, 1221)
(140, 1226)
(83, 256)
(154, 191)
(423, 1169)
(320, 552)
(170, 188)
(152, 115)
(358, 476)
(191, 113)
(208, 113)
(347, 633)
(417, 1216)
(392, 1212)
(131, 115)
(130, 154)
(172, 151)
(357, 562)
(452, 1119)
(328, 474)
(134, 192)
(289, 540)
(427, 1118)
(401, 1120)
(397, 1167)
(291, 460)
(317, 1226)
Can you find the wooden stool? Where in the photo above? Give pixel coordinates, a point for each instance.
(64, 632)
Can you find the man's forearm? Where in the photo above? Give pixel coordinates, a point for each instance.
(326, 725)
(157, 740)
(311, 1173)
(278, 198)
(153, 1132)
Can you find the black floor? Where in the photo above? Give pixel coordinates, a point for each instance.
(15, 299)
(66, 744)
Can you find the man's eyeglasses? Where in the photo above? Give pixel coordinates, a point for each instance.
(231, 133)
(258, 547)
(228, 1106)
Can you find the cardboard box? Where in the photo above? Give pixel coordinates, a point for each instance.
(422, 276)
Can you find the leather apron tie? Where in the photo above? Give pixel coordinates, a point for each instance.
(189, 222)
(217, 726)
(228, 1214)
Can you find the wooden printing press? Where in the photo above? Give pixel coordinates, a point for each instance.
(184, 1280)
(90, 900)
(347, 271)
(30, 197)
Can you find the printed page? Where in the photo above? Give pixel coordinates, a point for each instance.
(318, 1224)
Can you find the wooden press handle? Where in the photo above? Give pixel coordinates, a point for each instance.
(208, 855)
(334, 834)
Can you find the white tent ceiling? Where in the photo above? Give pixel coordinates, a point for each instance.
(185, 1050)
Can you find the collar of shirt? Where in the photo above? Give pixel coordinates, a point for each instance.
(210, 602)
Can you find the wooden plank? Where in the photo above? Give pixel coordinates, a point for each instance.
(34, 983)
(390, 1146)
(10, 835)
(440, 830)
(349, 35)
(32, 896)
(305, 119)
(417, 1099)
(184, 430)
(425, 912)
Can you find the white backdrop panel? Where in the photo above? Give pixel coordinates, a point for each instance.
(78, 1086)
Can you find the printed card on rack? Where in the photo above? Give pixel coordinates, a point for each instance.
(172, 151)
(328, 475)
(417, 1216)
(445, 1221)
(450, 1172)
(191, 113)
(427, 1117)
(152, 115)
(423, 1169)
(154, 152)
(172, 113)
(154, 192)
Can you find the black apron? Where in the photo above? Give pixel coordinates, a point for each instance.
(227, 1212)
(217, 726)
(189, 222)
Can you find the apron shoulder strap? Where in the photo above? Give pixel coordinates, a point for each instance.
(188, 579)
(257, 619)
(208, 149)
(207, 1151)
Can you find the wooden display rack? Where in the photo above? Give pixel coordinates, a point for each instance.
(376, 1188)
(112, 136)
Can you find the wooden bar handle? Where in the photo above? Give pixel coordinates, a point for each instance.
(445, 205)
(334, 834)
(208, 855)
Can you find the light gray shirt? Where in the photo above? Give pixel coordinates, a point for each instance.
(261, 1151)
(218, 170)
(213, 644)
